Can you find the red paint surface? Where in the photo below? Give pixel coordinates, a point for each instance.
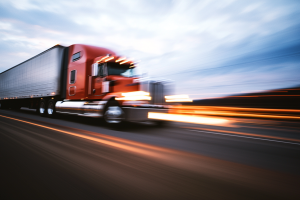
(90, 55)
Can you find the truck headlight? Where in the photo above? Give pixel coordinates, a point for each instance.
(178, 98)
(135, 96)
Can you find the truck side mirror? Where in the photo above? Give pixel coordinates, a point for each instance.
(95, 69)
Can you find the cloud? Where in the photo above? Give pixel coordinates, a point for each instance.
(175, 39)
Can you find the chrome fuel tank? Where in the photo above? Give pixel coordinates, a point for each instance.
(82, 108)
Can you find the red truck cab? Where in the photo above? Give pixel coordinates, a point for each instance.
(103, 84)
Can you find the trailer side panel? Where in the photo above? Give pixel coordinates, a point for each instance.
(40, 76)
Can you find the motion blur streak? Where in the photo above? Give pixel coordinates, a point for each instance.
(149, 151)
(50, 159)
(239, 112)
(188, 119)
(136, 147)
(246, 134)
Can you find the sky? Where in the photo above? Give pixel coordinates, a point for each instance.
(207, 48)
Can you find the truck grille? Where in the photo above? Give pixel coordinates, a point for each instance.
(156, 90)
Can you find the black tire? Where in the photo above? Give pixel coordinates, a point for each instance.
(51, 111)
(42, 110)
(2, 105)
(16, 106)
(161, 124)
(113, 115)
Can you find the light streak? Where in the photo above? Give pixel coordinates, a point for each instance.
(268, 96)
(178, 98)
(187, 118)
(107, 142)
(230, 111)
(164, 154)
(246, 135)
(133, 96)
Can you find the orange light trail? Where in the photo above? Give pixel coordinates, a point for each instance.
(231, 111)
(269, 96)
(245, 134)
(128, 145)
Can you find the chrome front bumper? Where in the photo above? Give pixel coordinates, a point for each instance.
(140, 113)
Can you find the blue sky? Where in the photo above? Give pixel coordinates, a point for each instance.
(208, 48)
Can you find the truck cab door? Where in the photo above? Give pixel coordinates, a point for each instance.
(97, 79)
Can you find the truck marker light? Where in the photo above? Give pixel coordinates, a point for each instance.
(53, 93)
(102, 59)
(120, 59)
(125, 61)
(108, 59)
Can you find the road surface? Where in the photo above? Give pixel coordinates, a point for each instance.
(80, 158)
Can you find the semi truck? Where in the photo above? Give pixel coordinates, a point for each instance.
(82, 80)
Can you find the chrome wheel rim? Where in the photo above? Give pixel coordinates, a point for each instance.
(113, 115)
(50, 109)
(42, 108)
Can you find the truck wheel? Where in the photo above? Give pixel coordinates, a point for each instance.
(113, 114)
(43, 108)
(51, 111)
(161, 124)
(16, 106)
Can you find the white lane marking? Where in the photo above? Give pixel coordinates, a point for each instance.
(232, 135)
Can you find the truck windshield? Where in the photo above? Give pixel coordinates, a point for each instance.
(123, 70)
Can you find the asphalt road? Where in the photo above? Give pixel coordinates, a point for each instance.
(79, 158)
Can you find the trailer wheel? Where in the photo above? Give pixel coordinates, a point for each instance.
(113, 114)
(2, 105)
(43, 108)
(51, 111)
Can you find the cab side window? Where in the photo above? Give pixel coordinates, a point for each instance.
(100, 70)
(76, 56)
